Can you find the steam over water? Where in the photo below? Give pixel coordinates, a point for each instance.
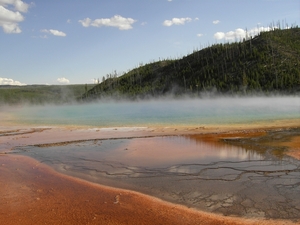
(212, 176)
(164, 112)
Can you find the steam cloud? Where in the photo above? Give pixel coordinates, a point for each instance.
(167, 112)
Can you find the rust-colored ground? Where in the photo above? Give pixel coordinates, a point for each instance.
(294, 147)
(32, 193)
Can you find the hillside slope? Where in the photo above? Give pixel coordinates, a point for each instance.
(41, 94)
(269, 62)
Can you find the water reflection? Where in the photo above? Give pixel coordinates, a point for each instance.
(153, 152)
(210, 176)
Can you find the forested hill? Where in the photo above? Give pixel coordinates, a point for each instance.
(41, 94)
(269, 62)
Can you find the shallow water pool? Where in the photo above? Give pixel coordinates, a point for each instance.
(163, 112)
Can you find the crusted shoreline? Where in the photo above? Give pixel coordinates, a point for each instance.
(25, 178)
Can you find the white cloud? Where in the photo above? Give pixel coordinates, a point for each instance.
(85, 22)
(63, 80)
(176, 21)
(41, 36)
(239, 33)
(10, 18)
(68, 21)
(19, 5)
(8, 81)
(257, 30)
(95, 81)
(116, 21)
(199, 35)
(54, 32)
(219, 35)
(216, 21)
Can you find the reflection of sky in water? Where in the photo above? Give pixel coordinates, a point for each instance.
(214, 177)
(165, 112)
(138, 158)
(155, 152)
(167, 151)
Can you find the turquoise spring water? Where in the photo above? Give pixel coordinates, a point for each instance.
(193, 112)
(213, 177)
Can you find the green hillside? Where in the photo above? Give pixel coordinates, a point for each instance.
(269, 62)
(41, 94)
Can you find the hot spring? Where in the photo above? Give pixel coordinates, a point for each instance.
(189, 112)
(232, 177)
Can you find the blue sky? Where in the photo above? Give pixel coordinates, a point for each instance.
(76, 41)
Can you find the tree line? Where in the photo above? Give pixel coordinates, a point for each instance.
(266, 63)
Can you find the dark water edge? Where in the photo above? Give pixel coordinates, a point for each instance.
(242, 177)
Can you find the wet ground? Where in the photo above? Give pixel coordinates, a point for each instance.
(248, 177)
